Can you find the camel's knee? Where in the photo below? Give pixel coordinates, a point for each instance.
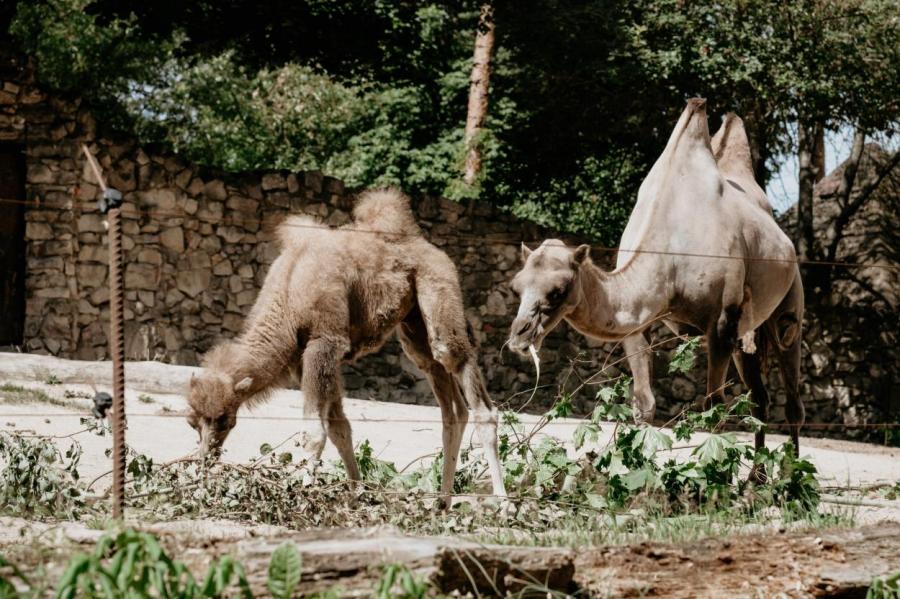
(448, 352)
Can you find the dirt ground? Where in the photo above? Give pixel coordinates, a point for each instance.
(831, 563)
(837, 563)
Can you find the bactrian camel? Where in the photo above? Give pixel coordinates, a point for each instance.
(699, 200)
(331, 296)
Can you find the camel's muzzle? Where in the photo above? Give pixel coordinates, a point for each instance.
(524, 333)
(210, 444)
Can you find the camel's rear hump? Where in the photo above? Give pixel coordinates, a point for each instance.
(298, 229)
(385, 211)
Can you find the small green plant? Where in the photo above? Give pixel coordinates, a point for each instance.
(399, 582)
(8, 573)
(52, 379)
(134, 564)
(885, 587)
(144, 398)
(285, 569)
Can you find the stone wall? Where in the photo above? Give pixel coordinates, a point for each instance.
(198, 244)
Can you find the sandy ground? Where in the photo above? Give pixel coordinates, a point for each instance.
(399, 433)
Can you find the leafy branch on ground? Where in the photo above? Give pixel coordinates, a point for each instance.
(636, 474)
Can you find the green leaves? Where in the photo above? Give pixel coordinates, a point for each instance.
(649, 441)
(285, 568)
(37, 480)
(561, 409)
(398, 582)
(586, 431)
(715, 448)
(611, 405)
(685, 354)
(134, 564)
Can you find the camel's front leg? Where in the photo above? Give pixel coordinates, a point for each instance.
(322, 410)
(637, 350)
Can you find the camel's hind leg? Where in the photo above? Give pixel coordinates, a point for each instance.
(454, 413)
(789, 365)
(322, 410)
(440, 301)
(718, 355)
(641, 364)
(784, 328)
(749, 366)
(477, 397)
(342, 436)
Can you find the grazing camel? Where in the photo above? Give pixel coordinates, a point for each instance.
(331, 296)
(699, 200)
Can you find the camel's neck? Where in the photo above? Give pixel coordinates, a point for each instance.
(619, 303)
(263, 356)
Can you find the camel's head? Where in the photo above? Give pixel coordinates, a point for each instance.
(214, 400)
(549, 288)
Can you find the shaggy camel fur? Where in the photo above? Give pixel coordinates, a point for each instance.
(699, 199)
(332, 296)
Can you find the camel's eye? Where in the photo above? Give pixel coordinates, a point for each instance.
(556, 296)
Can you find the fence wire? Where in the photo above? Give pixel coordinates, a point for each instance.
(130, 211)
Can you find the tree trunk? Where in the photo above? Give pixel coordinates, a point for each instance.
(806, 140)
(819, 153)
(759, 151)
(478, 91)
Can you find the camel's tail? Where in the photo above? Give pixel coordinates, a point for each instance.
(385, 211)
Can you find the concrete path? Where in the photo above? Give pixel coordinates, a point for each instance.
(397, 432)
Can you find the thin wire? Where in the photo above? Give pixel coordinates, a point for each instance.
(279, 221)
(570, 422)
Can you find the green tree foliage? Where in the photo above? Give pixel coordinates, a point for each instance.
(583, 95)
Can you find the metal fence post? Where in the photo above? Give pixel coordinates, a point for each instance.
(111, 206)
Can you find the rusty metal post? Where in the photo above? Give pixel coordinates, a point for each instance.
(111, 206)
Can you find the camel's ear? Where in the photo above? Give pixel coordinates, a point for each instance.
(525, 252)
(243, 384)
(581, 252)
(193, 380)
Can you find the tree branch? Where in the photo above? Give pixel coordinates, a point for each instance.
(849, 178)
(847, 275)
(851, 207)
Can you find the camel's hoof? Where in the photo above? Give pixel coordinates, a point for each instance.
(758, 475)
(643, 416)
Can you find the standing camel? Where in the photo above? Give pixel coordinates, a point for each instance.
(699, 202)
(331, 296)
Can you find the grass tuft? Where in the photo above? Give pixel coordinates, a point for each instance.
(11, 394)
